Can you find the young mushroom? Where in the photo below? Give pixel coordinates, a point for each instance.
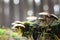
(45, 16)
(17, 25)
(53, 18)
(41, 21)
(49, 18)
(31, 18)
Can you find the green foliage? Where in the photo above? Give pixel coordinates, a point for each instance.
(55, 26)
(6, 34)
(14, 35)
(29, 27)
(2, 31)
(54, 23)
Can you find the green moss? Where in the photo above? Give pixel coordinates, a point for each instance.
(14, 35)
(2, 31)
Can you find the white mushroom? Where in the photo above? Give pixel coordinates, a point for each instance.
(31, 18)
(40, 18)
(17, 24)
(54, 16)
(44, 14)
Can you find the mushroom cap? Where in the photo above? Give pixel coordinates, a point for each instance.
(18, 25)
(31, 18)
(54, 16)
(16, 22)
(44, 14)
(41, 18)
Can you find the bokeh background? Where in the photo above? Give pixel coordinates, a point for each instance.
(13, 10)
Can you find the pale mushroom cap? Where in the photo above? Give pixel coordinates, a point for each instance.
(44, 13)
(19, 25)
(13, 27)
(31, 18)
(40, 18)
(16, 22)
(54, 16)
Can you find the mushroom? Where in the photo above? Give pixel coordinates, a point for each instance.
(44, 14)
(49, 18)
(31, 18)
(41, 19)
(16, 22)
(18, 25)
(54, 16)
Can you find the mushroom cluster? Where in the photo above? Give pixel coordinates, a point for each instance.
(47, 18)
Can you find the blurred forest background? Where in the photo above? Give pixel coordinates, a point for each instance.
(12, 10)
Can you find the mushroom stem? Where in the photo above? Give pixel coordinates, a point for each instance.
(19, 31)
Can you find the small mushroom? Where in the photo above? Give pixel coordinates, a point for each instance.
(31, 18)
(54, 16)
(42, 19)
(17, 24)
(44, 14)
